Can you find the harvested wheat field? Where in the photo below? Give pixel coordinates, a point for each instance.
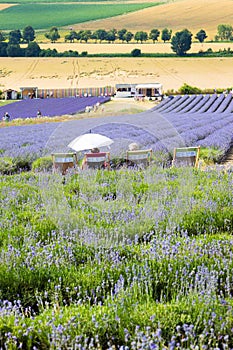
(157, 47)
(176, 15)
(97, 72)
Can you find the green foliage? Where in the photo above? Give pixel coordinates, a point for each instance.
(116, 257)
(181, 42)
(53, 34)
(10, 165)
(7, 166)
(33, 50)
(201, 35)
(14, 50)
(186, 89)
(154, 35)
(15, 37)
(28, 34)
(224, 31)
(210, 155)
(42, 164)
(141, 36)
(136, 52)
(166, 34)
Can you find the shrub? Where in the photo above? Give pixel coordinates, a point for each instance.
(23, 163)
(84, 53)
(42, 164)
(7, 166)
(136, 53)
(189, 90)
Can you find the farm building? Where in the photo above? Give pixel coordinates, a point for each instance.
(149, 90)
(152, 90)
(125, 90)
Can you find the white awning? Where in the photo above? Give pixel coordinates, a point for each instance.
(149, 86)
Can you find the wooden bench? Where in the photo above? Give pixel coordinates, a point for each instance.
(139, 157)
(186, 156)
(63, 161)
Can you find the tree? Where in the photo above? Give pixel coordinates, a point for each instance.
(128, 36)
(71, 36)
(166, 34)
(49, 53)
(181, 42)
(121, 34)
(28, 34)
(101, 34)
(224, 31)
(154, 34)
(14, 50)
(111, 35)
(14, 37)
(2, 36)
(141, 36)
(3, 49)
(53, 35)
(201, 36)
(94, 36)
(33, 50)
(85, 35)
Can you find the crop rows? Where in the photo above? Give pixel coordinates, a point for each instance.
(178, 121)
(50, 107)
(197, 104)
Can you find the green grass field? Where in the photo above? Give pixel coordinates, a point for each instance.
(42, 16)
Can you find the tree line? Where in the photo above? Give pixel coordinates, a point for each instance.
(180, 42)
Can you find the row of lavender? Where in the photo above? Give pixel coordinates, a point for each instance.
(161, 132)
(50, 107)
(197, 104)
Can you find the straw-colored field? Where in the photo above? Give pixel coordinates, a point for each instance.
(176, 15)
(5, 6)
(159, 47)
(95, 72)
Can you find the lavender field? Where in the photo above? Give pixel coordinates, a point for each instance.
(50, 107)
(117, 260)
(177, 121)
(125, 259)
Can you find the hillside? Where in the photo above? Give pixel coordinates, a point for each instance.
(96, 72)
(177, 15)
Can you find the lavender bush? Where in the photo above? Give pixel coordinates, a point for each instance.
(116, 260)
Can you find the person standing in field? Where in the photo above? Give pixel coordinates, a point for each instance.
(6, 117)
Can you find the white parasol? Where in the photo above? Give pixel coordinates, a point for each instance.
(89, 141)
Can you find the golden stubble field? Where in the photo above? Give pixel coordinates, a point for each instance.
(171, 72)
(176, 15)
(96, 72)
